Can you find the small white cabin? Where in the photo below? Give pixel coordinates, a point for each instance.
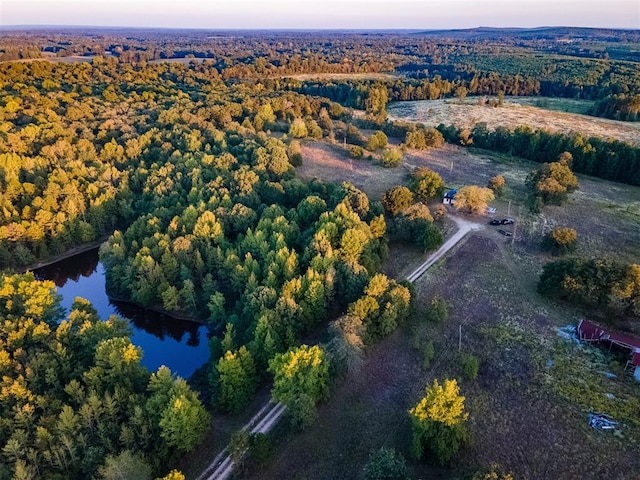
(448, 197)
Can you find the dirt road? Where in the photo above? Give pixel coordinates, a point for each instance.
(221, 466)
(464, 227)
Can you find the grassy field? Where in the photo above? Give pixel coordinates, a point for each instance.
(331, 162)
(515, 111)
(605, 214)
(529, 405)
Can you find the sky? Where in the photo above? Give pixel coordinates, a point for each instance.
(318, 14)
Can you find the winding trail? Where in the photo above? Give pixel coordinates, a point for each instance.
(221, 467)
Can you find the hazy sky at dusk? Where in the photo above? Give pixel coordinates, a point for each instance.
(290, 14)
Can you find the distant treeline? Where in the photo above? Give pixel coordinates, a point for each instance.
(618, 107)
(608, 159)
(354, 93)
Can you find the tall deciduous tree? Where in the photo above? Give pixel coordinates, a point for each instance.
(473, 199)
(551, 183)
(426, 184)
(301, 379)
(125, 466)
(397, 199)
(184, 422)
(236, 380)
(438, 422)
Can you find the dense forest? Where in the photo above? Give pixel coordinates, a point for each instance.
(184, 171)
(209, 221)
(594, 64)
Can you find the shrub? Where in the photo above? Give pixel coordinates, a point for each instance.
(560, 241)
(494, 472)
(298, 129)
(428, 353)
(439, 212)
(356, 151)
(376, 141)
(386, 464)
(239, 444)
(470, 366)
(294, 152)
(438, 310)
(391, 157)
(423, 138)
(261, 449)
(431, 237)
(497, 184)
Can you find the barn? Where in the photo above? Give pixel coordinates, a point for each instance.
(591, 332)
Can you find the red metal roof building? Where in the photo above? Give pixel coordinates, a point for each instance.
(590, 332)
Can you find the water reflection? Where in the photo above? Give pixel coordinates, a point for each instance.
(179, 344)
(82, 265)
(159, 325)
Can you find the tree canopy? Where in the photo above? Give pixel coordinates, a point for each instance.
(438, 422)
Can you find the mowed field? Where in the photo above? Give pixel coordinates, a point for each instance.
(529, 405)
(514, 112)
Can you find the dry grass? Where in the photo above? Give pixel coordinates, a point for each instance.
(513, 113)
(331, 162)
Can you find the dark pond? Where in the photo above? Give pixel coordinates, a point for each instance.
(179, 344)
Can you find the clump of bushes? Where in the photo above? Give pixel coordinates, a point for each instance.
(438, 311)
(391, 157)
(470, 366)
(560, 241)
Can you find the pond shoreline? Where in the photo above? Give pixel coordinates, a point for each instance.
(72, 252)
(156, 309)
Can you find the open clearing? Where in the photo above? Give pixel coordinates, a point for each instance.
(514, 112)
(529, 405)
(605, 214)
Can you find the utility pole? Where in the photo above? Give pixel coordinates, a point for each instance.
(509, 209)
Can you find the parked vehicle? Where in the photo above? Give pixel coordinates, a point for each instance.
(505, 233)
(495, 221)
(506, 221)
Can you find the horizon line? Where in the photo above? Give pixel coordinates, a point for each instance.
(310, 29)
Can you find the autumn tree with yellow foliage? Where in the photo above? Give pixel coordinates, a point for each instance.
(438, 422)
(473, 199)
